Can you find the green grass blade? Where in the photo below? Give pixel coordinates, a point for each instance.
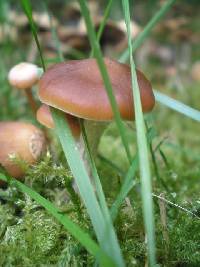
(111, 164)
(98, 55)
(110, 244)
(128, 182)
(125, 188)
(146, 188)
(73, 228)
(177, 106)
(55, 36)
(146, 31)
(103, 22)
(105, 17)
(99, 192)
(28, 11)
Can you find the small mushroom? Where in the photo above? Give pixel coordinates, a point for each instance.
(44, 116)
(22, 141)
(23, 76)
(76, 87)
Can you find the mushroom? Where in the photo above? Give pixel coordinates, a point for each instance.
(23, 76)
(76, 87)
(22, 141)
(44, 116)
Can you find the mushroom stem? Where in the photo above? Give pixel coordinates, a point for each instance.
(31, 100)
(94, 131)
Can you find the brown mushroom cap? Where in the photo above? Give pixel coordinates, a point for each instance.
(24, 141)
(45, 118)
(76, 87)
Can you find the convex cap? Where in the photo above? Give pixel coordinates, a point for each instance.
(21, 140)
(76, 87)
(24, 75)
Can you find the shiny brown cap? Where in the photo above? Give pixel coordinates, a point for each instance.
(76, 87)
(44, 117)
(21, 140)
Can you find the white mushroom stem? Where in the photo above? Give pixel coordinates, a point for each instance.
(94, 131)
(31, 100)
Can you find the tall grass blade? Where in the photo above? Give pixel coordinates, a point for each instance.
(177, 106)
(128, 182)
(105, 17)
(109, 242)
(125, 188)
(103, 22)
(55, 37)
(28, 11)
(99, 190)
(111, 164)
(73, 228)
(146, 31)
(98, 187)
(98, 55)
(144, 163)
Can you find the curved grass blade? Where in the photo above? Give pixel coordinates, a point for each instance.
(110, 244)
(99, 191)
(177, 106)
(98, 55)
(125, 188)
(111, 164)
(98, 187)
(105, 17)
(28, 11)
(103, 22)
(146, 31)
(73, 228)
(146, 187)
(128, 182)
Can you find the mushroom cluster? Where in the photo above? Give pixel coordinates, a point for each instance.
(20, 141)
(76, 88)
